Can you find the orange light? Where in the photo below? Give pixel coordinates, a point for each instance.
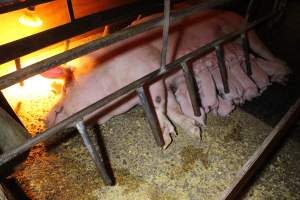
(30, 18)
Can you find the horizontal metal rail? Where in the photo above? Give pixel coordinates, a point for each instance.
(7, 156)
(20, 47)
(44, 65)
(16, 5)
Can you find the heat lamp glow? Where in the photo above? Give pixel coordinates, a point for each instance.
(30, 18)
(33, 88)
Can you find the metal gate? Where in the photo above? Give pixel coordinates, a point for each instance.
(77, 121)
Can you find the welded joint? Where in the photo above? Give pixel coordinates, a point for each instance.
(192, 88)
(96, 156)
(151, 115)
(222, 67)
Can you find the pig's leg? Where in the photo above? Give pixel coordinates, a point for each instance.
(183, 98)
(277, 71)
(250, 88)
(236, 91)
(260, 78)
(175, 114)
(158, 95)
(225, 107)
(57, 112)
(206, 86)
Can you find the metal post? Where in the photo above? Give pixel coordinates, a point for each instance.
(248, 12)
(151, 115)
(165, 34)
(97, 157)
(18, 67)
(222, 67)
(71, 11)
(245, 45)
(192, 88)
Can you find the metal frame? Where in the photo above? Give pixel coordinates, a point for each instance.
(18, 48)
(77, 120)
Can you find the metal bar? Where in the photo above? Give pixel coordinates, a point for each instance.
(222, 67)
(151, 115)
(19, 48)
(192, 89)
(260, 156)
(245, 45)
(248, 12)
(19, 5)
(165, 34)
(129, 88)
(64, 57)
(96, 156)
(18, 67)
(71, 11)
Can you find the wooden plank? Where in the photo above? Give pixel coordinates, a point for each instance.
(261, 154)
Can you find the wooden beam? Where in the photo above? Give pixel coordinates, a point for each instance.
(262, 154)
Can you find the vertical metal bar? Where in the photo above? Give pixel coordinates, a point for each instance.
(97, 157)
(245, 45)
(248, 12)
(151, 115)
(67, 44)
(222, 67)
(165, 34)
(71, 11)
(190, 81)
(18, 67)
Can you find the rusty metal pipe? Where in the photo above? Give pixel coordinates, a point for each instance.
(245, 46)
(192, 88)
(151, 115)
(96, 156)
(222, 67)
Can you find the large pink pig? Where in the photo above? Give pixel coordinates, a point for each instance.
(110, 69)
(101, 73)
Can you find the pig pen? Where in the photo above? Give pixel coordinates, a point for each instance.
(187, 170)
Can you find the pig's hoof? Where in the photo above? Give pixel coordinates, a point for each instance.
(167, 139)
